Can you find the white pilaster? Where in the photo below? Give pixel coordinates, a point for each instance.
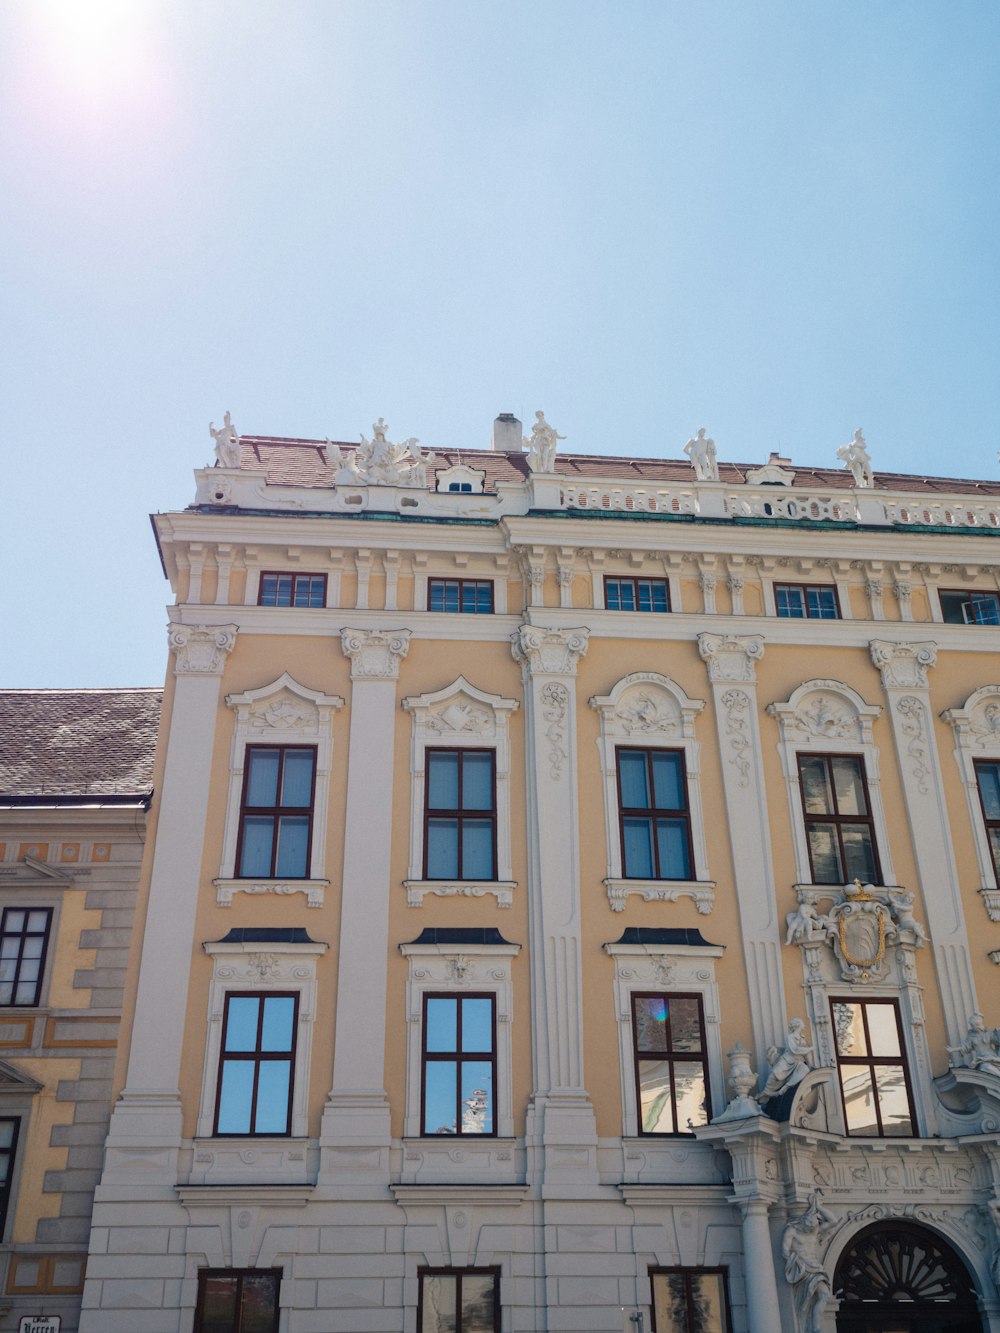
(904, 668)
(561, 1129)
(731, 662)
(145, 1132)
(355, 1133)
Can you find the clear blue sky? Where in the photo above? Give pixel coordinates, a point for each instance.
(779, 220)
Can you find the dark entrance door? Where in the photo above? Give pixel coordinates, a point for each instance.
(899, 1278)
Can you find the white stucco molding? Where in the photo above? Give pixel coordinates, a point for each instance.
(544, 651)
(904, 666)
(375, 653)
(976, 728)
(281, 713)
(731, 657)
(200, 650)
(646, 708)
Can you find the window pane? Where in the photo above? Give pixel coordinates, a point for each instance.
(439, 1303)
(651, 1013)
(822, 603)
(989, 785)
(685, 1027)
(654, 1097)
(882, 1030)
(849, 786)
(440, 1085)
(825, 854)
(32, 948)
(689, 1092)
(258, 834)
(477, 1025)
(859, 1099)
(241, 1023)
(6, 989)
(442, 780)
(477, 849)
(478, 1303)
(709, 1300)
(995, 845)
(442, 848)
(273, 1087)
(38, 920)
(293, 846)
(442, 1025)
(612, 595)
(259, 1304)
(10, 947)
(668, 782)
(6, 1135)
(638, 839)
(672, 848)
(276, 1034)
(26, 991)
(985, 609)
(816, 795)
(236, 1096)
(262, 785)
(477, 1097)
(626, 595)
(218, 1308)
(296, 780)
(849, 1032)
(477, 781)
(634, 779)
(789, 602)
(859, 853)
(892, 1100)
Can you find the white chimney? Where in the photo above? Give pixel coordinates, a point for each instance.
(507, 434)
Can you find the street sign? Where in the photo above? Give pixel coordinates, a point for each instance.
(40, 1323)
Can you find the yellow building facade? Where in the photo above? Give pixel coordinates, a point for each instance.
(572, 901)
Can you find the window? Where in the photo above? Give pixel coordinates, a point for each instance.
(873, 1075)
(969, 608)
(814, 601)
(653, 810)
(459, 1300)
(690, 1300)
(838, 820)
(276, 814)
(255, 1068)
(628, 594)
(461, 816)
(988, 781)
(234, 1300)
(464, 487)
(470, 596)
(9, 1127)
(292, 590)
(671, 1070)
(459, 1064)
(24, 940)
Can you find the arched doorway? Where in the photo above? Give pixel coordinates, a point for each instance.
(898, 1278)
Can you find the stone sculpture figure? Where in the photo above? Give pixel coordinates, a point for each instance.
(227, 442)
(857, 461)
(804, 1272)
(379, 462)
(804, 925)
(789, 1063)
(541, 445)
(981, 1048)
(701, 452)
(901, 902)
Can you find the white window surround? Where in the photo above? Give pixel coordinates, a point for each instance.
(665, 968)
(494, 574)
(976, 727)
(17, 1093)
(459, 716)
(282, 713)
(461, 475)
(256, 968)
(829, 717)
(450, 969)
(650, 710)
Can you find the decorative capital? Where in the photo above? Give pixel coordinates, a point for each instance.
(904, 666)
(549, 652)
(201, 650)
(375, 653)
(731, 656)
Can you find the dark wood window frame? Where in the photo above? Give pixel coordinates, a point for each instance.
(472, 586)
(312, 586)
(274, 812)
(637, 583)
(873, 1062)
(458, 1057)
(835, 818)
(654, 812)
(458, 1274)
(687, 1273)
(10, 1152)
(669, 1057)
(460, 814)
(257, 1057)
(206, 1274)
(959, 597)
(806, 589)
(990, 824)
(6, 933)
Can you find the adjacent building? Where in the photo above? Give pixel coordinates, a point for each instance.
(573, 901)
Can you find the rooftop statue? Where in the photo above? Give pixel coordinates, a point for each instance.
(379, 462)
(227, 442)
(541, 445)
(857, 461)
(701, 452)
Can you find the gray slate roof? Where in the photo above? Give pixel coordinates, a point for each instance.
(78, 745)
